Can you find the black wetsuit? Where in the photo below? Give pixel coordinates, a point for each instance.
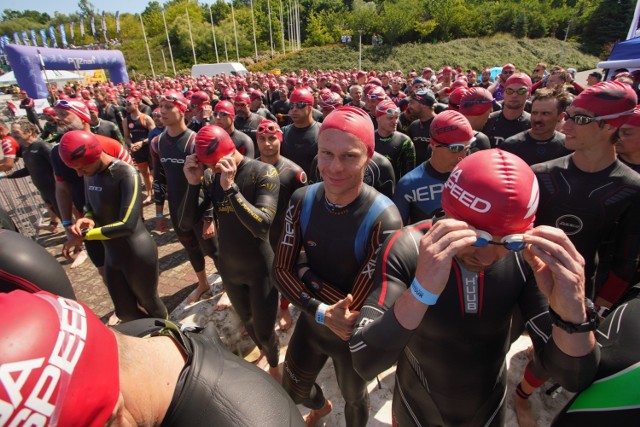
(400, 151)
(451, 368)
(599, 212)
(114, 114)
(420, 134)
(50, 132)
(242, 223)
(378, 174)
(216, 387)
(28, 105)
(300, 145)
(635, 167)
(262, 111)
(280, 109)
(614, 397)
(249, 126)
(498, 128)
(341, 245)
(107, 128)
(533, 151)
(138, 131)
(28, 266)
(243, 143)
(418, 194)
(169, 182)
(196, 125)
(131, 255)
(38, 164)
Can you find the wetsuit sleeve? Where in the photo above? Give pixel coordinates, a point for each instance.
(257, 217)
(115, 134)
(159, 176)
(20, 173)
(572, 373)
(407, 158)
(400, 200)
(187, 212)
(378, 337)
(130, 207)
(387, 179)
(625, 258)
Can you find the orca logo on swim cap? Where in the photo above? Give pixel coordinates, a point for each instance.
(79, 152)
(213, 146)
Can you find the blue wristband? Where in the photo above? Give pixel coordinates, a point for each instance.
(159, 216)
(66, 222)
(322, 308)
(423, 295)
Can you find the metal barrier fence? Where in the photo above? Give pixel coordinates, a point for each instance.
(20, 198)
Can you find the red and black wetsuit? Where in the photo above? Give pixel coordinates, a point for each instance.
(169, 182)
(243, 217)
(341, 245)
(451, 368)
(599, 212)
(131, 255)
(243, 143)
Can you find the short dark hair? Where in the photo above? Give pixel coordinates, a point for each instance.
(563, 98)
(597, 75)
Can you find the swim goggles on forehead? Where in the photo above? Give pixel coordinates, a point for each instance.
(270, 128)
(65, 105)
(582, 119)
(171, 98)
(513, 242)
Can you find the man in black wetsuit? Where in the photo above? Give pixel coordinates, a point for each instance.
(112, 215)
(512, 119)
(244, 194)
(136, 131)
(445, 292)
(340, 224)
(418, 193)
(102, 127)
(628, 142)
(257, 105)
(291, 178)
(50, 128)
(395, 146)
(70, 370)
(300, 143)
(200, 109)
(542, 142)
(421, 104)
(246, 121)
(224, 115)
(169, 151)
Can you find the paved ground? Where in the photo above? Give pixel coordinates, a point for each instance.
(177, 278)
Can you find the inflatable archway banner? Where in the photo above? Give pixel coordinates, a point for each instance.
(26, 65)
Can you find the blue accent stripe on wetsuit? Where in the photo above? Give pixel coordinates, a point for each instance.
(307, 204)
(381, 203)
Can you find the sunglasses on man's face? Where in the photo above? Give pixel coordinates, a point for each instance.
(521, 91)
(580, 119)
(458, 147)
(298, 105)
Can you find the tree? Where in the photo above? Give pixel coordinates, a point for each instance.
(86, 8)
(317, 32)
(399, 19)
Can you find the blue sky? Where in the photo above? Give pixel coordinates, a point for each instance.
(71, 6)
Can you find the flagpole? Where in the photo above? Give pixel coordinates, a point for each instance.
(270, 29)
(282, 29)
(235, 32)
(164, 59)
(166, 30)
(213, 33)
(226, 53)
(253, 22)
(298, 24)
(153, 72)
(44, 70)
(193, 49)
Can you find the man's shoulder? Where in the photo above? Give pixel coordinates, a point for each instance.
(514, 140)
(559, 164)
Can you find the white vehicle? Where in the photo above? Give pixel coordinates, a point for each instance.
(210, 70)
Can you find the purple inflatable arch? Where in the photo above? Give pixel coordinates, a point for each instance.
(26, 65)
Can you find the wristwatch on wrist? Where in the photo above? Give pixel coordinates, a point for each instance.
(591, 324)
(232, 190)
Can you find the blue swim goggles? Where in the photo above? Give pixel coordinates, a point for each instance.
(513, 242)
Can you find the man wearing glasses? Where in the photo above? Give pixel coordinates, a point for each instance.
(224, 115)
(512, 119)
(246, 121)
(300, 141)
(444, 292)
(418, 193)
(497, 89)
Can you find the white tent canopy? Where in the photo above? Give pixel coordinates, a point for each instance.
(53, 76)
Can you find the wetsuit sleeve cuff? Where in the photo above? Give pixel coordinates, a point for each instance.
(388, 333)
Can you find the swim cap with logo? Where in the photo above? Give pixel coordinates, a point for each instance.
(450, 127)
(611, 99)
(494, 191)
(58, 364)
(79, 148)
(212, 144)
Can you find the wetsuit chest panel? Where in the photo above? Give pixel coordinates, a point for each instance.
(137, 129)
(172, 152)
(103, 192)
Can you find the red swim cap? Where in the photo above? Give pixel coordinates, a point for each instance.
(519, 78)
(633, 119)
(352, 120)
(59, 363)
(450, 127)
(456, 96)
(242, 97)
(76, 107)
(494, 191)
(212, 144)
(225, 107)
(476, 101)
(269, 127)
(79, 148)
(611, 99)
(302, 95)
(49, 111)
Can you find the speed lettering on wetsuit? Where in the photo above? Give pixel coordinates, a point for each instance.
(427, 193)
(469, 200)
(40, 403)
